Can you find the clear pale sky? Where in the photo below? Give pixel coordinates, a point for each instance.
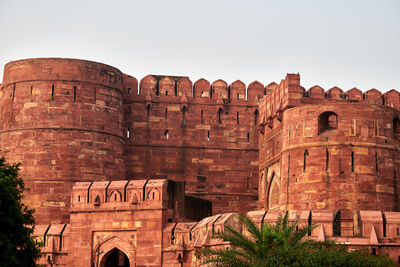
(347, 43)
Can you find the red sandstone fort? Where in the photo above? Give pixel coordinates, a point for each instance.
(128, 173)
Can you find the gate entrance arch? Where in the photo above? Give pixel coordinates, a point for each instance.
(115, 258)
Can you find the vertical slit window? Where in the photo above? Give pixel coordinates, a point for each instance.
(248, 183)
(305, 160)
(166, 113)
(376, 163)
(237, 117)
(208, 135)
(128, 133)
(166, 134)
(201, 114)
(255, 117)
(52, 92)
(166, 93)
(129, 90)
(74, 93)
(157, 88)
(219, 116)
(176, 89)
(248, 136)
(237, 96)
(352, 161)
(95, 97)
(184, 114)
(327, 159)
(148, 112)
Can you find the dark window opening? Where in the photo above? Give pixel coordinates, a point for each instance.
(31, 89)
(148, 112)
(79, 200)
(327, 160)
(95, 95)
(352, 161)
(129, 91)
(229, 92)
(176, 89)
(397, 231)
(305, 160)
(202, 94)
(376, 163)
(384, 222)
(237, 117)
(115, 197)
(166, 133)
(337, 224)
(201, 114)
(396, 128)
(247, 183)
(237, 96)
(211, 92)
(373, 251)
(154, 196)
(157, 88)
(327, 121)
(219, 115)
(184, 114)
(52, 92)
(256, 117)
(208, 136)
(166, 113)
(248, 137)
(74, 93)
(128, 133)
(166, 93)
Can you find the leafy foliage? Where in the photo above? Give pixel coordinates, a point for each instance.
(283, 244)
(17, 248)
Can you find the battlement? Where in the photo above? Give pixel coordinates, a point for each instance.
(289, 93)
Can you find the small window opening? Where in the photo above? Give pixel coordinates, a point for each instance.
(397, 231)
(31, 89)
(184, 114)
(327, 121)
(52, 92)
(166, 113)
(396, 128)
(248, 137)
(237, 96)
(337, 231)
(327, 159)
(305, 160)
(208, 135)
(79, 200)
(398, 260)
(115, 197)
(256, 117)
(128, 133)
(219, 115)
(148, 112)
(95, 95)
(237, 117)
(154, 196)
(129, 91)
(374, 251)
(247, 183)
(166, 93)
(74, 93)
(201, 114)
(166, 134)
(352, 161)
(376, 128)
(157, 88)
(376, 163)
(211, 92)
(176, 89)
(202, 94)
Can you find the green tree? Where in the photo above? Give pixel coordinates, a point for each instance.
(283, 244)
(17, 248)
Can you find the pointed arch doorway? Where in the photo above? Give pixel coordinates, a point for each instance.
(115, 258)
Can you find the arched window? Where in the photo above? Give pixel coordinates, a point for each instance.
(327, 121)
(255, 117)
(396, 128)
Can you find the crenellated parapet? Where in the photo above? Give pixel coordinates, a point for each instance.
(372, 230)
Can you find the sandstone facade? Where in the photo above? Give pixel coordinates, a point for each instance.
(129, 173)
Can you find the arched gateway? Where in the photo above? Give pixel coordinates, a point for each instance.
(115, 258)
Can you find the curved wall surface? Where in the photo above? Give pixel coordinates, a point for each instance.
(62, 119)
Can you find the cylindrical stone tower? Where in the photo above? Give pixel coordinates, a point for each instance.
(62, 119)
